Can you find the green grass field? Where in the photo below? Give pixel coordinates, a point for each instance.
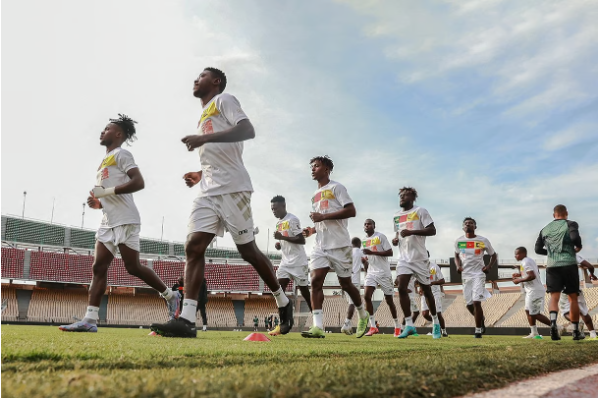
(41, 361)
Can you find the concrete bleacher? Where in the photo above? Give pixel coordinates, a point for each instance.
(261, 307)
(56, 306)
(220, 313)
(9, 295)
(12, 262)
(125, 309)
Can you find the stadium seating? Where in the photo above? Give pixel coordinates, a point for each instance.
(11, 313)
(591, 297)
(383, 314)
(142, 310)
(260, 306)
(289, 288)
(56, 306)
(118, 275)
(220, 313)
(168, 271)
(12, 263)
(494, 308)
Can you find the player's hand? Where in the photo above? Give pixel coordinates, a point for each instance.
(93, 202)
(516, 281)
(486, 269)
(277, 235)
(405, 232)
(277, 246)
(101, 192)
(577, 249)
(364, 261)
(317, 217)
(192, 178)
(459, 269)
(395, 241)
(593, 277)
(516, 275)
(308, 231)
(193, 141)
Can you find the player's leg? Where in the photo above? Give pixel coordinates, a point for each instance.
(102, 259)
(317, 274)
(202, 308)
(535, 311)
(354, 294)
(426, 315)
(403, 279)
(305, 292)
(388, 294)
(283, 282)
(347, 328)
(589, 323)
(430, 299)
(369, 290)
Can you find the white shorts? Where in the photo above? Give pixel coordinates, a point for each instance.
(438, 303)
(128, 235)
(214, 214)
(384, 282)
(534, 303)
(348, 299)
(339, 260)
(298, 274)
(420, 270)
(413, 302)
(565, 305)
(474, 290)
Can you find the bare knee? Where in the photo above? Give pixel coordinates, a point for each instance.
(99, 270)
(195, 246)
(134, 269)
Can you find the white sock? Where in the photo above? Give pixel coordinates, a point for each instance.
(91, 314)
(167, 294)
(477, 330)
(362, 313)
(593, 334)
(534, 330)
(408, 321)
(281, 298)
(436, 320)
(347, 322)
(372, 321)
(204, 327)
(397, 323)
(189, 310)
(318, 318)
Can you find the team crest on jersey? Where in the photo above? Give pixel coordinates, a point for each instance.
(109, 161)
(406, 217)
(104, 174)
(284, 227)
(372, 243)
(471, 245)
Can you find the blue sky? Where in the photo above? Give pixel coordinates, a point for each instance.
(488, 108)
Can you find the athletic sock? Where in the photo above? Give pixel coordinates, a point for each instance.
(553, 315)
(361, 311)
(347, 322)
(91, 315)
(436, 320)
(189, 310)
(575, 326)
(318, 318)
(372, 321)
(477, 330)
(593, 334)
(281, 298)
(534, 330)
(168, 294)
(409, 321)
(396, 323)
(204, 328)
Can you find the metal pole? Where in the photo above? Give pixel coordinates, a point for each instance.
(162, 228)
(52, 216)
(24, 199)
(82, 216)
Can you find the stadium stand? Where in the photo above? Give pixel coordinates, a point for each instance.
(56, 306)
(260, 306)
(125, 309)
(12, 263)
(383, 314)
(494, 308)
(220, 313)
(9, 295)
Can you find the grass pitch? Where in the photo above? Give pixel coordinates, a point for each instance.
(41, 361)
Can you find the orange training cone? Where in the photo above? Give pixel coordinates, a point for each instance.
(256, 337)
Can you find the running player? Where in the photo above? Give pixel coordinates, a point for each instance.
(560, 240)
(583, 308)
(357, 259)
(294, 264)
(437, 280)
(468, 256)
(332, 207)
(535, 295)
(118, 178)
(377, 248)
(413, 225)
(224, 199)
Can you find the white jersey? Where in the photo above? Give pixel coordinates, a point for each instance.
(435, 274)
(117, 209)
(331, 234)
(412, 248)
(292, 254)
(223, 170)
(377, 242)
(471, 252)
(357, 256)
(535, 286)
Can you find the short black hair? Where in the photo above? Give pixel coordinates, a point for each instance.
(127, 125)
(521, 249)
(560, 209)
(470, 218)
(356, 242)
(219, 74)
(372, 221)
(325, 160)
(278, 199)
(409, 189)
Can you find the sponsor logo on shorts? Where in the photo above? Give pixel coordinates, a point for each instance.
(245, 231)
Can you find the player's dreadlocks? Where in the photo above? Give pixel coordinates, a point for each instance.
(409, 189)
(278, 199)
(325, 160)
(126, 124)
(221, 75)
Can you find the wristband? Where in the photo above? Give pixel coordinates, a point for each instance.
(101, 192)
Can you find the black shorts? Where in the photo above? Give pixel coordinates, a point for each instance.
(562, 279)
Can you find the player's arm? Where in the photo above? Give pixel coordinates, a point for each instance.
(439, 282)
(365, 263)
(493, 261)
(586, 265)
(539, 246)
(242, 131)
(427, 231)
(135, 183)
(308, 231)
(387, 253)
(348, 211)
(458, 263)
(298, 239)
(574, 234)
(530, 276)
